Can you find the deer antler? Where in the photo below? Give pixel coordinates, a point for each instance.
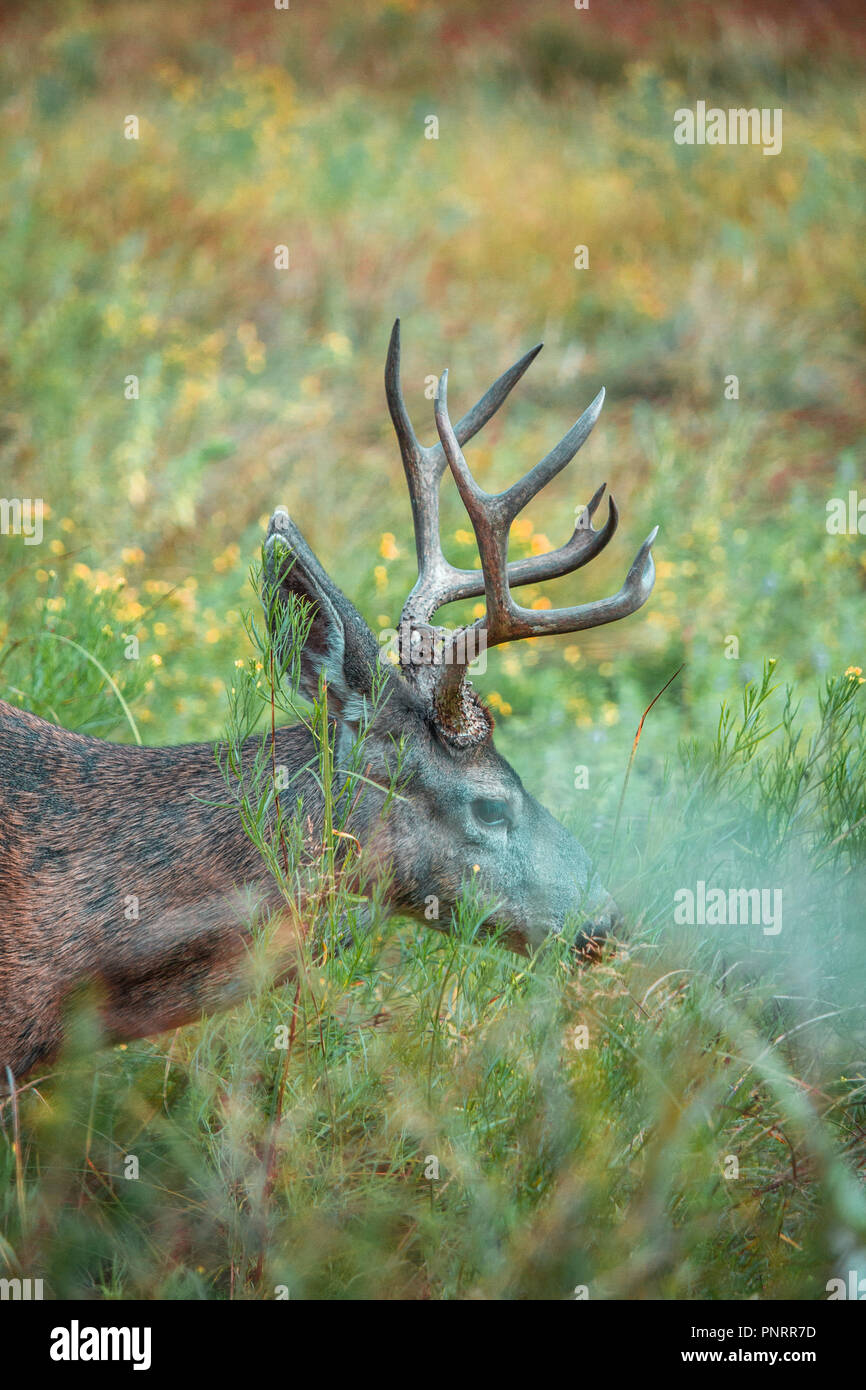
(492, 514)
(439, 582)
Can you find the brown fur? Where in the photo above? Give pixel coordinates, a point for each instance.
(84, 824)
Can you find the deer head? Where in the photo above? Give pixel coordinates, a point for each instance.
(465, 814)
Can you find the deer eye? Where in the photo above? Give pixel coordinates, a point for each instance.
(490, 812)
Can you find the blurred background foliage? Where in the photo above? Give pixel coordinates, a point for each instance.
(155, 258)
(306, 128)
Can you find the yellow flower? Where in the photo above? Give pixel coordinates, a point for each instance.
(464, 537)
(228, 559)
(522, 528)
(539, 544)
(494, 698)
(113, 319)
(380, 574)
(338, 343)
(541, 603)
(388, 548)
(572, 655)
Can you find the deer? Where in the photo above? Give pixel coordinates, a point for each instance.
(86, 822)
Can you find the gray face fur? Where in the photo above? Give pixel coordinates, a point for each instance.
(468, 818)
(463, 815)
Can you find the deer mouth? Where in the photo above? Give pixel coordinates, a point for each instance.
(590, 945)
(595, 936)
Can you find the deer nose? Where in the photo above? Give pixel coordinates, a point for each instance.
(589, 944)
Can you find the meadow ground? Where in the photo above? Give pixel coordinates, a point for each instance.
(708, 1140)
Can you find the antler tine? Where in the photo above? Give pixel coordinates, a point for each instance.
(491, 516)
(530, 622)
(422, 471)
(469, 424)
(439, 582)
(487, 512)
(538, 477)
(585, 543)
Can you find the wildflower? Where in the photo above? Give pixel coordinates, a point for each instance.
(388, 548)
(496, 700)
(338, 343)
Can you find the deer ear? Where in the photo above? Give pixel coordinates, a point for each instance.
(339, 641)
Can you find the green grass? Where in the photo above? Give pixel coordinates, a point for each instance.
(303, 1167)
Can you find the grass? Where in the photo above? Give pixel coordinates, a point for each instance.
(286, 1148)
